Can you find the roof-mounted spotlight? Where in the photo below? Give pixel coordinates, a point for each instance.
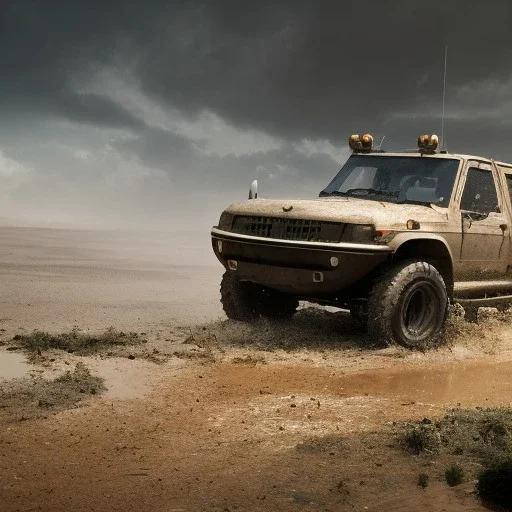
(361, 143)
(428, 143)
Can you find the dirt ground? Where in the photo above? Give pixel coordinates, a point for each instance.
(200, 413)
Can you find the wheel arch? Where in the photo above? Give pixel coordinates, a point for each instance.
(434, 250)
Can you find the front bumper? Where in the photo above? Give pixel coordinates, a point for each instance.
(298, 267)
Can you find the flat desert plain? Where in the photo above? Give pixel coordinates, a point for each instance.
(123, 387)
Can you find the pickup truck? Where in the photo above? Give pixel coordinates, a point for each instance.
(394, 238)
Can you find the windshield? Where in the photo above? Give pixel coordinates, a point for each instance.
(396, 179)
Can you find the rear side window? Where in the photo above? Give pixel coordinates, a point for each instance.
(509, 185)
(479, 192)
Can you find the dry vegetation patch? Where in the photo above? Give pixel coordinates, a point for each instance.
(76, 341)
(476, 444)
(26, 398)
(463, 447)
(484, 435)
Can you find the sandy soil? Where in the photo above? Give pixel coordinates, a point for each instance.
(213, 415)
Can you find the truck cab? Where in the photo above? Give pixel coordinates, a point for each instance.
(394, 238)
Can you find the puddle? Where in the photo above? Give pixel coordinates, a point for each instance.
(12, 365)
(124, 378)
(465, 384)
(468, 384)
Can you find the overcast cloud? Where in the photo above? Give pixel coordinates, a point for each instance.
(156, 113)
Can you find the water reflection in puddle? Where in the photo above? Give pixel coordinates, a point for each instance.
(485, 383)
(124, 379)
(12, 365)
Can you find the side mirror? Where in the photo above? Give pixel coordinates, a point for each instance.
(253, 190)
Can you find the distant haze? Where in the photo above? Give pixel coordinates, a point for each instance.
(158, 114)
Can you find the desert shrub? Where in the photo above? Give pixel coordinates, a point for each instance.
(495, 484)
(423, 480)
(422, 438)
(454, 475)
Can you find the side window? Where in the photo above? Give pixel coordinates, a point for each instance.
(509, 184)
(479, 194)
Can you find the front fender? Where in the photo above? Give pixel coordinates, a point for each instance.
(429, 246)
(402, 238)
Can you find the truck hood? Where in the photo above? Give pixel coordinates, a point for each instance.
(342, 209)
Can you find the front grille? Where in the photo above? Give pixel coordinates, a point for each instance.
(288, 229)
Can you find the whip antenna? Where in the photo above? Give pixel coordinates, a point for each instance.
(443, 145)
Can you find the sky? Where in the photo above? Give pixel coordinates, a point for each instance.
(158, 114)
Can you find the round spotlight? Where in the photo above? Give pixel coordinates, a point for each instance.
(428, 143)
(334, 261)
(422, 141)
(434, 141)
(367, 141)
(360, 143)
(354, 142)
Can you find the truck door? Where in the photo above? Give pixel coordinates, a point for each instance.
(485, 230)
(506, 172)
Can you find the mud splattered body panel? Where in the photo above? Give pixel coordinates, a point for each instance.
(285, 244)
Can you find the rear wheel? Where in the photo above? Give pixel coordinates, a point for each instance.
(408, 306)
(242, 300)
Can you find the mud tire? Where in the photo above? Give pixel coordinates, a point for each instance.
(408, 306)
(246, 301)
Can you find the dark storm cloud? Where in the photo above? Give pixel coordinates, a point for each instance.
(292, 69)
(324, 69)
(164, 150)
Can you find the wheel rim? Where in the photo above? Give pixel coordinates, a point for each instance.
(420, 311)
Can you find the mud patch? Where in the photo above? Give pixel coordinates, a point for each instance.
(26, 398)
(483, 332)
(75, 341)
(327, 330)
(311, 328)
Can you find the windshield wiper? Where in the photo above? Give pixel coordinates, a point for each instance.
(353, 192)
(387, 193)
(333, 193)
(412, 201)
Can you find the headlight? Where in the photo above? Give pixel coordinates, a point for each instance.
(384, 236)
(359, 233)
(225, 221)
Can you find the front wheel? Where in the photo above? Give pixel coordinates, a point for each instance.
(408, 306)
(242, 300)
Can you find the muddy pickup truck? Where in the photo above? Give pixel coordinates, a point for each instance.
(394, 238)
